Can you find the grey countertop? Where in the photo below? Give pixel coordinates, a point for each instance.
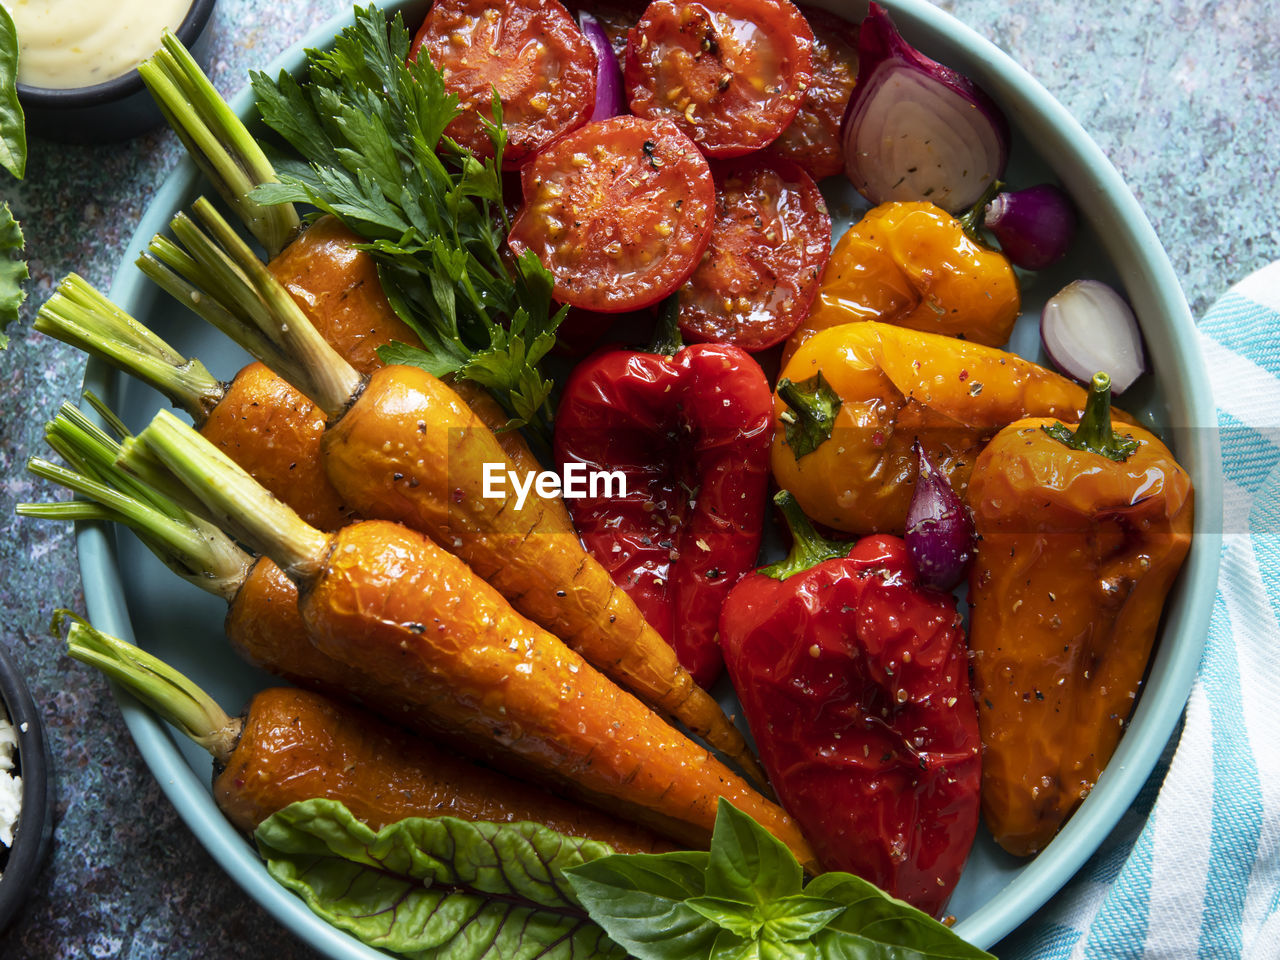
(1180, 95)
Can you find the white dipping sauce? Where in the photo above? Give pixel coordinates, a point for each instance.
(78, 43)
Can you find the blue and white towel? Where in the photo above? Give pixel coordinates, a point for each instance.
(1193, 870)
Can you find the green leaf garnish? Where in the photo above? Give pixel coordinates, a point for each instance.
(438, 887)
(811, 413)
(743, 900)
(13, 270)
(13, 129)
(369, 129)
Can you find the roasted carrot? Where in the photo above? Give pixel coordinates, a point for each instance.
(292, 745)
(403, 446)
(414, 619)
(337, 287)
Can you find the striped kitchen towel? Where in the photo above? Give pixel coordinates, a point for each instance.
(1193, 870)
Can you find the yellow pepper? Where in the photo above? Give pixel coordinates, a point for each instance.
(1081, 534)
(842, 445)
(911, 264)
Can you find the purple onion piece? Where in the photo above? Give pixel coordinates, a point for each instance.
(609, 94)
(1086, 327)
(1035, 226)
(939, 530)
(916, 130)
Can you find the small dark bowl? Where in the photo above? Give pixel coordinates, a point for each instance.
(35, 819)
(116, 109)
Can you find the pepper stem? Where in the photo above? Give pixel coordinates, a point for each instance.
(666, 335)
(162, 688)
(1094, 432)
(808, 547)
(972, 219)
(811, 413)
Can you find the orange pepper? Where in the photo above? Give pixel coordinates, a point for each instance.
(911, 264)
(1077, 551)
(885, 387)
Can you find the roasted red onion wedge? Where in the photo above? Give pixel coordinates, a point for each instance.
(1086, 327)
(939, 530)
(1035, 226)
(609, 94)
(916, 130)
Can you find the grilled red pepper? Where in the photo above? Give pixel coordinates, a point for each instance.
(690, 429)
(855, 681)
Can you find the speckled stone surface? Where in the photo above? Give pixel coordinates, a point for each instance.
(1180, 95)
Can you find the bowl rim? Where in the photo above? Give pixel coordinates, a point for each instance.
(1123, 222)
(35, 818)
(117, 87)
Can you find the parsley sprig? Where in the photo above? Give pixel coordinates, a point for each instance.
(368, 126)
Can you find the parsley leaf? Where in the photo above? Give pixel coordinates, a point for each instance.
(367, 129)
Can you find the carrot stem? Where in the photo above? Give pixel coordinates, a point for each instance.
(217, 141)
(219, 265)
(171, 268)
(79, 315)
(237, 502)
(166, 691)
(190, 546)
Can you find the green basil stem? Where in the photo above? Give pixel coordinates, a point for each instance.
(971, 220)
(217, 141)
(77, 314)
(666, 335)
(1094, 432)
(236, 502)
(808, 547)
(187, 544)
(166, 691)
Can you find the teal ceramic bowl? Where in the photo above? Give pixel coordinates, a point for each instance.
(130, 594)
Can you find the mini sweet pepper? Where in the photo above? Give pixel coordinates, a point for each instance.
(912, 264)
(689, 428)
(855, 681)
(1081, 534)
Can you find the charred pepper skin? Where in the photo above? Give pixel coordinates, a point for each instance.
(855, 683)
(1076, 555)
(690, 431)
(911, 264)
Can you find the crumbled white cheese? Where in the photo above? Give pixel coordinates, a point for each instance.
(10, 786)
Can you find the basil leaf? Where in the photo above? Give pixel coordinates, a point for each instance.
(13, 270)
(741, 919)
(13, 129)
(639, 899)
(798, 917)
(748, 863)
(673, 906)
(438, 887)
(874, 923)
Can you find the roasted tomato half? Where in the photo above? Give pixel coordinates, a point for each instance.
(530, 51)
(731, 73)
(619, 211)
(769, 245)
